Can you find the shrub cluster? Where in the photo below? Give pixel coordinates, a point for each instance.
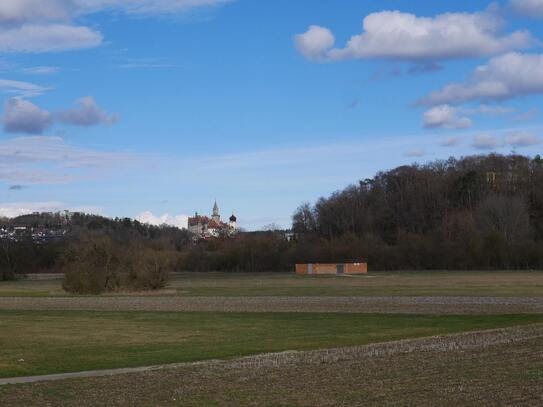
(100, 264)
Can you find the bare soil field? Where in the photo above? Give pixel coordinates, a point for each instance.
(396, 305)
(486, 368)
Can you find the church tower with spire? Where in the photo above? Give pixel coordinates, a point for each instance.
(216, 215)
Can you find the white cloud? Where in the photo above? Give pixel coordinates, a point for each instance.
(486, 142)
(494, 110)
(452, 141)
(405, 36)
(416, 152)
(20, 173)
(453, 117)
(31, 26)
(522, 139)
(36, 38)
(147, 6)
(50, 160)
(17, 12)
(22, 116)
(315, 42)
(445, 116)
(86, 113)
(14, 209)
(20, 88)
(177, 220)
(529, 8)
(504, 77)
(40, 70)
(55, 149)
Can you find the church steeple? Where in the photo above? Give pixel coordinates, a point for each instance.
(216, 215)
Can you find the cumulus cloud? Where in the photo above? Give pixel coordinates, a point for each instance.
(315, 42)
(445, 116)
(405, 36)
(528, 8)
(486, 142)
(522, 139)
(29, 26)
(454, 117)
(22, 116)
(86, 113)
(179, 221)
(504, 77)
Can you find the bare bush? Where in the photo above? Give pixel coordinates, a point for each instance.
(148, 270)
(101, 264)
(92, 266)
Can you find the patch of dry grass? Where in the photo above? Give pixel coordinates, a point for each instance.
(450, 283)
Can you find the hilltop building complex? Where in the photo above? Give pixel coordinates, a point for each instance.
(206, 227)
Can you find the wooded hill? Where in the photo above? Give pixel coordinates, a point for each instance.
(474, 212)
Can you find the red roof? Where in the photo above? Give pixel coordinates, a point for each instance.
(215, 225)
(195, 220)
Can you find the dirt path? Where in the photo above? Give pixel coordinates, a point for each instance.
(404, 305)
(75, 375)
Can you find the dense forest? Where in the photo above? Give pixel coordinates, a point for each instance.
(477, 212)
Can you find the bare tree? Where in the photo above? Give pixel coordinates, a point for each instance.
(505, 215)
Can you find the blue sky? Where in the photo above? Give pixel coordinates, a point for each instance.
(154, 108)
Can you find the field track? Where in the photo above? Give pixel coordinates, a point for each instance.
(399, 305)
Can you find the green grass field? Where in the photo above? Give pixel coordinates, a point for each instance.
(450, 283)
(40, 342)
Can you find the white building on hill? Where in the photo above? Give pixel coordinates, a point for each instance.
(206, 227)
